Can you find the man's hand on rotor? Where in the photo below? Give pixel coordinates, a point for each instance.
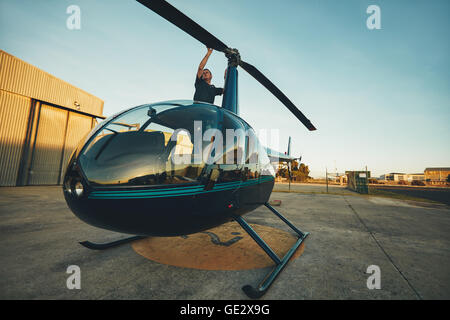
(203, 62)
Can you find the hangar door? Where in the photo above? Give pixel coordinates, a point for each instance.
(57, 134)
(46, 156)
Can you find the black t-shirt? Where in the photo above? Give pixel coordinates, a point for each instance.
(205, 92)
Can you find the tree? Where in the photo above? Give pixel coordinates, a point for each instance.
(300, 172)
(282, 172)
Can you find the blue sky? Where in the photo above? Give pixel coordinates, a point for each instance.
(379, 98)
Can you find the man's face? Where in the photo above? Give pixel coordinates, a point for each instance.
(206, 75)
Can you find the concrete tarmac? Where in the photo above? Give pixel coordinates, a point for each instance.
(408, 241)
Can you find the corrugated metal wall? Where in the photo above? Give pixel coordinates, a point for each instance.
(22, 78)
(39, 124)
(14, 112)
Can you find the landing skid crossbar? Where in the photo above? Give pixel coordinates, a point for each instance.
(256, 293)
(103, 246)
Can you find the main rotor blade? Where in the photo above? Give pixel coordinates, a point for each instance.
(172, 14)
(277, 93)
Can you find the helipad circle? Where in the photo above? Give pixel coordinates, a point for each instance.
(227, 247)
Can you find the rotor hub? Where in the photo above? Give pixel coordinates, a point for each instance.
(233, 56)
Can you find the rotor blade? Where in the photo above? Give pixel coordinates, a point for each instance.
(277, 93)
(172, 14)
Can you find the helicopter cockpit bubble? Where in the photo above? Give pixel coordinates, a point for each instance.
(138, 146)
(167, 143)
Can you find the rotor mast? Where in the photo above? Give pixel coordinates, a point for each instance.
(230, 99)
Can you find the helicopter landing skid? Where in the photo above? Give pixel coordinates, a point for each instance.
(256, 293)
(103, 246)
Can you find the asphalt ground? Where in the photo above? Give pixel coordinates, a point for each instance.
(408, 241)
(435, 194)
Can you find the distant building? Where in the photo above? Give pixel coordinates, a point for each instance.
(436, 175)
(342, 179)
(415, 177)
(394, 176)
(42, 119)
(337, 177)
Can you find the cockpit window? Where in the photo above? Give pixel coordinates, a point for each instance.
(141, 146)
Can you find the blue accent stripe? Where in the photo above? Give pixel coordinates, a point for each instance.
(165, 189)
(174, 191)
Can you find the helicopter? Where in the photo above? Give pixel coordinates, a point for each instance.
(163, 169)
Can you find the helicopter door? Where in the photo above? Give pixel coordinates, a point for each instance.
(226, 171)
(252, 170)
(213, 152)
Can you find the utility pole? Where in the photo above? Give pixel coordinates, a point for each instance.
(367, 181)
(335, 169)
(289, 174)
(326, 177)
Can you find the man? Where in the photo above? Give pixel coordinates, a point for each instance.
(204, 90)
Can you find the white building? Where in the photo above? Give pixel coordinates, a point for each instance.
(394, 176)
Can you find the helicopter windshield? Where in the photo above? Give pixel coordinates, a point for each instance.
(149, 145)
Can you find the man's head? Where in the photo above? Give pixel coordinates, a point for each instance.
(206, 75)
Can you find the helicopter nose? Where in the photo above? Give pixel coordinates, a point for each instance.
(73, 184)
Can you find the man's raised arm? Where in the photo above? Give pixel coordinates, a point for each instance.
(203, 63)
